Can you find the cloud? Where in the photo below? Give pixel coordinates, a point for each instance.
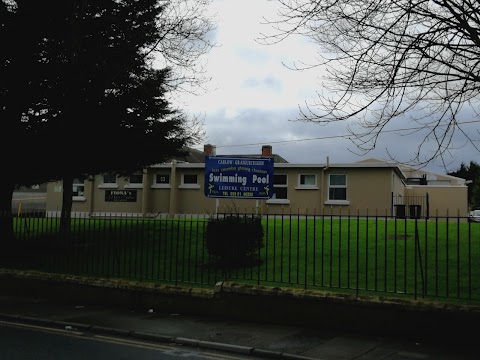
(268, 81)
(253, 99)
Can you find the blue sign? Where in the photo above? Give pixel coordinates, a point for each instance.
(243, 178)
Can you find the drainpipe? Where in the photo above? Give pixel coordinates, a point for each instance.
(91, 192)
(145, 192)
(172, 209)
(322, 189)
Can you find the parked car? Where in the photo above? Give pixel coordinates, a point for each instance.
(474, 216)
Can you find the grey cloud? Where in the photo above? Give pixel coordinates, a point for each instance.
(268, 82)
(253, 56)
(309, 143)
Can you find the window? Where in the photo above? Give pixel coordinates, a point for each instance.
(78, 189)
(189, 181)
(307, 180)
(279, 187)
(110, 179)
(162, 179)
(135, 181)
(337, 187)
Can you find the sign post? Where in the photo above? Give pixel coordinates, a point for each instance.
(241, 178)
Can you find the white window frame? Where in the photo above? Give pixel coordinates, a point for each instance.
(184, 185)
(330, 186)
(108, 185)
(161, 185)
(274, 200)
(301, 186)
(134, 185)
(78, 183)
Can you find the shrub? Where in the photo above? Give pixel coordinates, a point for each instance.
(234, 240)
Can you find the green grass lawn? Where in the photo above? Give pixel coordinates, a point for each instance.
(381, 256)
(435, 258)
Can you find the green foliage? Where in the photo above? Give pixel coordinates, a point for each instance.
(87, 65)
(234, 240)
(470, 172)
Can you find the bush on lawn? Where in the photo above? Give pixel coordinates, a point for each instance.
(234, 240)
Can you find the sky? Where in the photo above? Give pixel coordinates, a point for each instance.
(253, 99)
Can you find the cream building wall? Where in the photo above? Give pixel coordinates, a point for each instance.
(369, 190)
(443, 200)
(300, 199)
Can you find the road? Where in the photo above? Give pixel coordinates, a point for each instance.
(22, 341)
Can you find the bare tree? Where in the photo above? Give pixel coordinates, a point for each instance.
(185, 30)
(185, 38)
(383, 61)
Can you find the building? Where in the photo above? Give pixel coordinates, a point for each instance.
(369, 187)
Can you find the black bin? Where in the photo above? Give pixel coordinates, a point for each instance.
(415, 211)
(400, 211)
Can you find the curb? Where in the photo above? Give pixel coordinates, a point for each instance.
(238, 349)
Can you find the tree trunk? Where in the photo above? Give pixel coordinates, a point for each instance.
(6, 218)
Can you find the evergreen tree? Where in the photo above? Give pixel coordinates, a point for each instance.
(470, 172)
(90, 96)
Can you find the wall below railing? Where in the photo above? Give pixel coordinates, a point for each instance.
(371, 315)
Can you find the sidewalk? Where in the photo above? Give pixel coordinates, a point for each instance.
(259, 340)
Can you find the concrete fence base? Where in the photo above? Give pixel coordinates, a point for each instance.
(382, 316)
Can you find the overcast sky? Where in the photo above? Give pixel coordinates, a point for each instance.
(253, 99)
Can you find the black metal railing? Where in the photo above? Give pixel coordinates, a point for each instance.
(435, 258)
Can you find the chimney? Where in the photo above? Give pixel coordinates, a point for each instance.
(209, 149)
(267, 150)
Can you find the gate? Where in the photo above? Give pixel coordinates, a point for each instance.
(411, 206)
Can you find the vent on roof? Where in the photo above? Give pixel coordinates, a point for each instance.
(417, 180)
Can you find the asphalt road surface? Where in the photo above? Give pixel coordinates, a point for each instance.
(20, 341)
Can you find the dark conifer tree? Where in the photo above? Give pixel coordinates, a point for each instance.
(82, 92)
(470, 172)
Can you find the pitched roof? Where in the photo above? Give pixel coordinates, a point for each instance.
(276, 158)
(191, 156)
(195, 156)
